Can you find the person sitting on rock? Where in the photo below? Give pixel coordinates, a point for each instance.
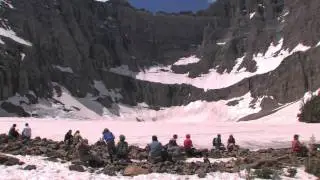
(298, 148)
(26, 133)
(108, 137)
(77, 137)
(86, 155)
(217, 144)
(174, 151)
(172, 140)
(188, 147)
(231, 143)
(155, 150)
(122, 148)
(68, 138)
(13, 133)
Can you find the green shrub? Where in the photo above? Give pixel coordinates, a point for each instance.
(310, 111)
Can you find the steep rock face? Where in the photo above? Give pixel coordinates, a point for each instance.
(86, 37)
(74, 43)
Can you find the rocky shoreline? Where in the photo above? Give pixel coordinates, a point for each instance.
(272, 159)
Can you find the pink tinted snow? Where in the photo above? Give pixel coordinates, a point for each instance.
(275, 130)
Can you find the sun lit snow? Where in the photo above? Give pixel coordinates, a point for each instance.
(266, 62)
(221, 43)
(318, 44)
(252, 15)
(12, 35)
(7, 3)
(23, 55)
(63, 69)
(187, 60)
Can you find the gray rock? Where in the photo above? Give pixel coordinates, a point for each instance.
(30, 167)
(78, 168)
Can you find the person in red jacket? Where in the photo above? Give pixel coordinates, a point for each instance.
(188, 147)
(296, 145)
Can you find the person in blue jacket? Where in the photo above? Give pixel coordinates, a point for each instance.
(108, 137)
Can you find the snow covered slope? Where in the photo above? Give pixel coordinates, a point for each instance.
(266, 62)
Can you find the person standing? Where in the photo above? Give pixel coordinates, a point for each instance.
(108, 137)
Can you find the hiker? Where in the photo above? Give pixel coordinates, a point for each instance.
(297, 148)
(122, 148)
(13, 133)
(217, 144)
(155, 150)
(77, 137)
(26, 133)
(86, 155)
(173, 140)
(231, 143)
(188, 147)
(174, 151)
(108, 137)
(68, 138)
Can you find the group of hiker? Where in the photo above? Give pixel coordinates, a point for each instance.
(156, 151)
(25, 134)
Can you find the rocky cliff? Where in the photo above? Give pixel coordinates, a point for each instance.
(51, 45)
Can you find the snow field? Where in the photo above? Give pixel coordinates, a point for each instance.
(266, 62)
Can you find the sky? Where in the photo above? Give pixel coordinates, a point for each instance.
(171, 5)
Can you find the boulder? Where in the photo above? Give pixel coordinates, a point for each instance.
(78, 168)
(133, 170)
(9, 161)
(30, 167)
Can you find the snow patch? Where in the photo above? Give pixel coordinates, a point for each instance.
(103, 91)
(23, 55)
(252, 15)
(7, 3)
(12, 35)
(212, 160)
(221, 43)
(63, 69)
(187, 60)
(266, 62)
(318, 44)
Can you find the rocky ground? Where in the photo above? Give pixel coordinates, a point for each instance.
(272, 159)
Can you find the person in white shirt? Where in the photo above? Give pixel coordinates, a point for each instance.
(26, 133)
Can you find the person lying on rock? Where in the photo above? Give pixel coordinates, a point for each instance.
(188, 147)
(77, 137)
(13, 133)
(122, 148)
(26, 133)
(231, 143)
(298, 148)
(86, 155)
(156, 151)
(217, 143)
(68, 138)
(174, 151)
(108, 137)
